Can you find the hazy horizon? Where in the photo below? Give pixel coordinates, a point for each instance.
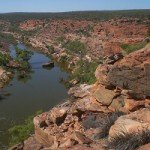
(75, 11)
(7, 6)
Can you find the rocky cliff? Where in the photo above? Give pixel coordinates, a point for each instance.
(101, 38)
(113, 113)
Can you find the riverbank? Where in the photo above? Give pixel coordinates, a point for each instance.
(84, 43)
(96, 116)
(39, 87)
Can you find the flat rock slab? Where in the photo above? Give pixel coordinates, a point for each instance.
(104, 96)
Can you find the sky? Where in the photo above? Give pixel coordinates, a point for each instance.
(70, 5)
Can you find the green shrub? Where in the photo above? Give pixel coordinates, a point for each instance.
(6, 38)
(4, 59)
(148, 32)
(21, 132)
(83, 32)
(60, 40)
(75, 46)
(64, 58)
(131, 48)
(103, 122)
(50, 48)
(130, 141)
(85, 72)
(23, 55)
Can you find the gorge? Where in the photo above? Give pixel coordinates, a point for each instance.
(102, 59)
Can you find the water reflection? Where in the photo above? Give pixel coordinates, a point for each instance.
(27, 93)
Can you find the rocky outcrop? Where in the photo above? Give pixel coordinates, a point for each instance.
(130, 73)
(114, 110)
(133, 123)
(133, 73)
(101, 38)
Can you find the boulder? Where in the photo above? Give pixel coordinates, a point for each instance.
(117, 104)
(68, 143)
(81, 91)
(101, 74)
(104, 96)
(133, 105)
(135, 122)
(57, 115)
(133, 73)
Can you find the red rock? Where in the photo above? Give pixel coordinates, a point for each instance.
(57, 115)
(130, 124)
(145, 147)
(104, 96)
(32, 144)
(81, 139)
(133, 73)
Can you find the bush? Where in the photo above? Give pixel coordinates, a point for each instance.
(85, 72)
(148, 33)
(130, 141)
(21, 132)
(64, 58)
(134, 47)
(75, 46)
(83, 32)
(4, 59)
(102, 122)
(7, 38)
(23, 56)
(50, 48)
(60, 40)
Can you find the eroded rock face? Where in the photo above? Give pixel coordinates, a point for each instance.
(104, 96)
(133, 73)
(90, 113)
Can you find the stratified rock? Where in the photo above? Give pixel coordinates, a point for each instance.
(133, 73)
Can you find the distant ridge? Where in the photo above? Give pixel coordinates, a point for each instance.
(80, 15)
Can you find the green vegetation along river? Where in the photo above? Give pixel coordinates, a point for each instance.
(21, 98)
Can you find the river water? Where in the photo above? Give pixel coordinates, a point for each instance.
(40, 91)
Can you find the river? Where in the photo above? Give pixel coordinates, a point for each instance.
(22, 98)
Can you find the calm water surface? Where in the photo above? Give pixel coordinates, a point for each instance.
(22, 98)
